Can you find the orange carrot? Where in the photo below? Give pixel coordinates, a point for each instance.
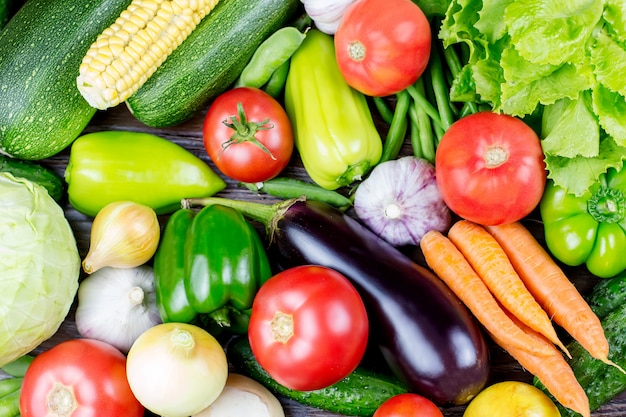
(492, 264)
(552, 289)
(553, 371)
(453, 269)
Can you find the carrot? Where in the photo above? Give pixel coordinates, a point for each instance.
(492, 264)
(453, 269)
(552, 288)
(552, 370)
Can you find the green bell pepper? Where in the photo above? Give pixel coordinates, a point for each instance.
(210, 263)
(334, 131)
(588, 229)
(110, 166)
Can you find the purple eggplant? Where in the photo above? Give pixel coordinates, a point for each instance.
(426, 335)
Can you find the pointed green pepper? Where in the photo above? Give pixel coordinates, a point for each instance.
(334, 130)
(110, 166)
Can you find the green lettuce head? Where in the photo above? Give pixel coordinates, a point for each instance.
(39, 266)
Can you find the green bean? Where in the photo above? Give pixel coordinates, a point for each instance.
(269, 56)
(420, 100)
(18, 366)
(274, 86)
(397, 128)
(425, 141)
(284, 187)
(10, 385)
(440, 87)
(383, 109)
(415, 133)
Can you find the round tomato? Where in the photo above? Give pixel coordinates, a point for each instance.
(408, 405)
(248, 135)
(490, 168)
(78, 378)
(308, 327)
(382, 46)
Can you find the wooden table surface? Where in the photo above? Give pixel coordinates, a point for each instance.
(189, 136)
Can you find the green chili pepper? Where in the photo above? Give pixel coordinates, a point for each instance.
(334, 130)
(210, 263)
(110, 166)
(588, 229)
(270, 55)
(169, 269)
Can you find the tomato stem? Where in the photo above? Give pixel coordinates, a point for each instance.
(495, 156)
(356, 51)
(61, 401)
(245, 130)
(282, 327)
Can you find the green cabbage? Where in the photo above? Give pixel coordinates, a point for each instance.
(39, 266)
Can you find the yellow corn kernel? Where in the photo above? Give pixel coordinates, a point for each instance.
(129, 51)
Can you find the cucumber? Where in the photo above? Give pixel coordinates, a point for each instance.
(41, 48)
(359, 394)
(600, 381)
(209, 60)
(36, 173)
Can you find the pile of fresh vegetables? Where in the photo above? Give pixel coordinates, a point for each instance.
(429, 133)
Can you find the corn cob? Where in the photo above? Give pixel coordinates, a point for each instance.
(128, 52)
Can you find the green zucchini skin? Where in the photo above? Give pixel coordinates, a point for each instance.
(41, 48)
(36, 173)
(359, 394)
(601, 382)
(5, 12)
(209, 60)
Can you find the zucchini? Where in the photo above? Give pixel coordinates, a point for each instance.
(36, 173)
(600, 381)
(359, 394)
(41, 49)
(5, 12)
(209, 60)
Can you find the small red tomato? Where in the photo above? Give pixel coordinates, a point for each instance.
(78, 378)
(490, 168)
(248, 135)
(408, 405)
(308, 327)
(382, 46)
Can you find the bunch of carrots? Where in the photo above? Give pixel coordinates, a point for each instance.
(515, 290)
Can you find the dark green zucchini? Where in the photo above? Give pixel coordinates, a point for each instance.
(209, 60)
(36, 173)
(359, 394)
(600, 381)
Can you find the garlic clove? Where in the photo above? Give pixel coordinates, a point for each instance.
(124, 234)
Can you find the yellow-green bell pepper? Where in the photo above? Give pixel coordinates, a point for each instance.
(334, 131)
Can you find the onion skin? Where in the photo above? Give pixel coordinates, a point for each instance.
(400, 201)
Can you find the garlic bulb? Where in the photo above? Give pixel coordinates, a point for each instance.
(326, 14)
(116, 305)
(124, 234)
(400, 201)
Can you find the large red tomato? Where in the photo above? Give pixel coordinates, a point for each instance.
(248, 135)
(78, 378)
(490, 168)
(408, 405)
(308, 327)
(382, 46)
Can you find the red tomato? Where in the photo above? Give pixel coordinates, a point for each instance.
(490, 168)
(408, 405)
(79, 378)
(308, 327)
(248, 135)
(382, 46)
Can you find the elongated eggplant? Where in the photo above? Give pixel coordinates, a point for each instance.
(426, 335)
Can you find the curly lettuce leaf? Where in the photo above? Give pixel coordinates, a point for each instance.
(528, 84)
(610, 107)
(615, 16)
(490, 23)
(458, 24)
(578, 174)
(552, 32)
(608, 58)
(569, 128)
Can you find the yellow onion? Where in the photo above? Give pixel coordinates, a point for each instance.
(511, 399)
(124, 234)
(176, 369)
